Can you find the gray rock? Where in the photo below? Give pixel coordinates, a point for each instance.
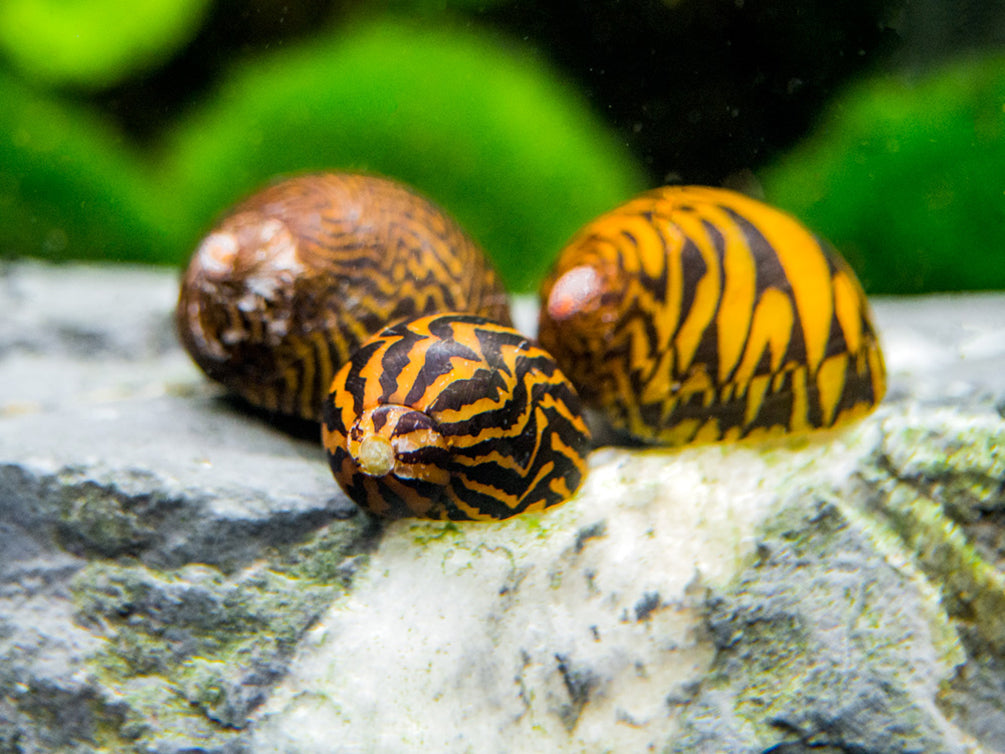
(803, 649)
(163, 551)
(179, 575)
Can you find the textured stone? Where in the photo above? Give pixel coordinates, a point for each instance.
(179, 575)
(163, 552)
(824, 641)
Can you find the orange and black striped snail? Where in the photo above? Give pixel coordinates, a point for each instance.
(694, 314)
(453, 416)
(291, 281)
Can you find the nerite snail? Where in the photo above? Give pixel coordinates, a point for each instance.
(695, 314)
(289, 284)
(688, 314)
(453, 416)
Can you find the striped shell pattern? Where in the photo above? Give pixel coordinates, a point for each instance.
(694, 314)
(456, 417)
(290, 283)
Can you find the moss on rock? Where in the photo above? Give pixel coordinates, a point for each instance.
(822, 641)
(191, 652)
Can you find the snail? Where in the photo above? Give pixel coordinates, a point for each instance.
(292, 280)
(453, 416)
(694, 314)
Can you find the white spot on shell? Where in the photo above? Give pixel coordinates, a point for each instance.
(269, 229)
(416, 440)
(278, 327)
(578, 290)
(277, 263)
(231, 336)
(248, 303)
(216, 255)
(205, 343)
(262, 285)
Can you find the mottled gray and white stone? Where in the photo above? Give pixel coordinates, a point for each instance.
(178, 575)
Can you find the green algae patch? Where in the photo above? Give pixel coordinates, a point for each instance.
(331, 557)
(946, 486)
(956, 460)
(526, 528)
(868, 604)
(973, 591)
(191, 652)
(96, 521)
(52, 709)
(821, 633)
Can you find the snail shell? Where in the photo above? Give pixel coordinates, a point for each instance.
(292, 280)
(453, 416)
(694, 314)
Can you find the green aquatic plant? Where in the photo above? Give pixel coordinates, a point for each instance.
(437, 7)
(71, 187)
(94, 43)
(904, 176)
(479, 124)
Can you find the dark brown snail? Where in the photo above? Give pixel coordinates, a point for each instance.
(289, 284)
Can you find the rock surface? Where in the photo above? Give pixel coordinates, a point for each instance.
(178, 575)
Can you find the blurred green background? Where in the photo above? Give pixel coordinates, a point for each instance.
(127, 127)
